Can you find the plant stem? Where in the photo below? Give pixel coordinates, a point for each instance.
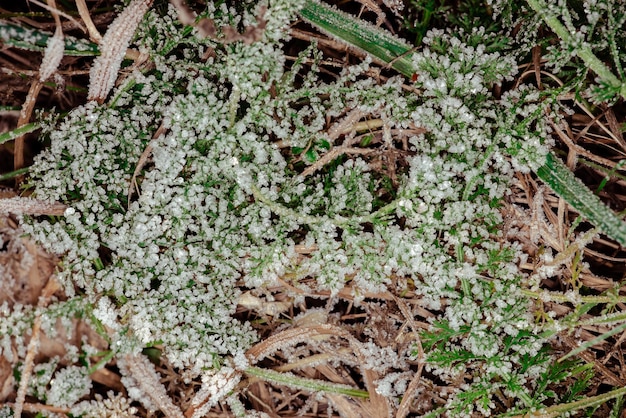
(559, 297)
(583, 51)
(22, 130)
(313, 385)
(15, 173)
(558, 410)
(341, 221)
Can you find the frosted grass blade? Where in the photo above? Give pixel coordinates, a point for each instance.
(22, 130)
(36, 40)
(313, 385)
(377, 42)
(563, 409)
(560, 179)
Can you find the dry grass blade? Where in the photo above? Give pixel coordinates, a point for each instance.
(139, 369)
(215, 387)
(29, 206)
(51, 287)
(52, 56)
(292, 337)
(113, 47)
(83, 11)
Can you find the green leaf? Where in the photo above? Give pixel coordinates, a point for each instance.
(35, 40)
(556, 175)
(310, 156)
(22, 130)
(362, 35)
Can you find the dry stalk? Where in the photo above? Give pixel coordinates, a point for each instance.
(314, 360)
(577, 149)
(615, 127)
(139, 368)
(543, 220)
(83, 12)
(292, 337)
(143, 159)
(333, 154)
(344, 126)
(345, 293)
(587, 356)
(33, 346)
(376, 406)
(372, 7)
(51, 60)
(342, 404)
(41, 408)
(113, 48)
(321, 42)
(409, 395)
(214, 388)
(25, 114)
(29, 206)
(51, 7)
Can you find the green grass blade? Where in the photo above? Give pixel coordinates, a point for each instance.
(13, 174)
(22, 130)
(313, 385)
(556, 175)
(35, 40)
(346, 28)
(561, 409)
(594, 341)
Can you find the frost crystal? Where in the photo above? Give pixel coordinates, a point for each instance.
(68, 386)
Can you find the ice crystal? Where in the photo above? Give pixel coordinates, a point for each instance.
(68, 386)
(113, 406)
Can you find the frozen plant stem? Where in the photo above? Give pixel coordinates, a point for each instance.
(562, 298)
(559, 410)
(314, 220)
(584, 52)
(105, 69)
(293, 381)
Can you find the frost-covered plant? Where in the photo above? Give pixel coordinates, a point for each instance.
(589, 35)
(68, 386)
(229, 144)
